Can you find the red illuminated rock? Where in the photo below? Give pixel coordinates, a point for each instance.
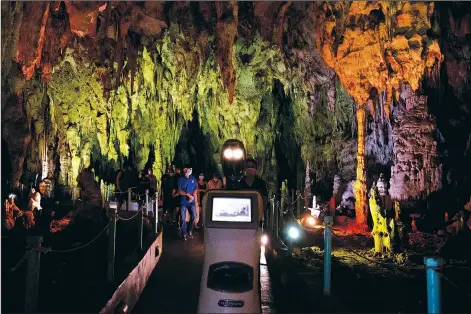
(83, 16)
(31, 37)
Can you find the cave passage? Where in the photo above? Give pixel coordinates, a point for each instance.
(358, 110)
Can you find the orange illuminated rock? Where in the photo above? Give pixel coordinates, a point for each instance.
(377, 45)
(359, 187)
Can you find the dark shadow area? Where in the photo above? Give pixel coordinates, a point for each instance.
(193, 148)
(449, 100)
(6, 169)
(287, 150)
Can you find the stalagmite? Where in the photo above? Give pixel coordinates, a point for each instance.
(383, 226)
(360, 183)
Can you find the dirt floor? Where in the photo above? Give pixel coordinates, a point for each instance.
(362, 282)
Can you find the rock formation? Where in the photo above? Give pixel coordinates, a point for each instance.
(416, 172)
(383, 226)
(98, 83)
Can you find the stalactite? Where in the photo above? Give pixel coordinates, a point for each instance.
(43, 153)
(32, 35)
(280, 24)
(360, 183)
(226, 28)
(307, 185)
(331, 94)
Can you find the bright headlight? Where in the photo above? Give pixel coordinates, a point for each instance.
(228, 153)
(293, 232)
(237, 153)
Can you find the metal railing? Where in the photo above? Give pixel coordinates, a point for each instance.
(34, 247)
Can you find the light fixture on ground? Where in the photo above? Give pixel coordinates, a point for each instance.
(311, 221)
(264, 239)
(293, 232)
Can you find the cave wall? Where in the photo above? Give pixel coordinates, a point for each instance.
(417, 171)
(304, 82)
(449, 100)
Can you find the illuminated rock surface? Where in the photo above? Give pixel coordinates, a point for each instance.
(297, 82)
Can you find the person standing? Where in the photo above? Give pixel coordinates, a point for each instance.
(188, 191)
(215, 183)
(251, 182)
(152, 182)
(168, 185)
(177, 197)
(144, 183)
(123, 183)
(202, 188)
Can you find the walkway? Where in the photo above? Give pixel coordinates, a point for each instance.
(174, 285)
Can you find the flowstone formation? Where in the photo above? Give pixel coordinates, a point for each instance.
(417, 171)
(374, 47)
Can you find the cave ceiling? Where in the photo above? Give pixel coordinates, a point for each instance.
(111, 80)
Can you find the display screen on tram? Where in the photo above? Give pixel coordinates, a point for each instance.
(232, 209)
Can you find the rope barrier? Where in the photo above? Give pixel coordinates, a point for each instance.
(46, 250)
(455, 286)
(21, 261)
(386, 264)
(354, 252)
(300, 196)
(130, 218)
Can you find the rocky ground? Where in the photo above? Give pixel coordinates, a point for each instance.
(362, 282)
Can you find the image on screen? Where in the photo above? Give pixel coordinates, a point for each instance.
(232, 209)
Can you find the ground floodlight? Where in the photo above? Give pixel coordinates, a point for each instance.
(264, 239)
(293, 232)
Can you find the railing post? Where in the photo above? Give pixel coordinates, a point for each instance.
(432, 265)
(269, 216)
(156, 215)
(111, 245)
(147, 202)
(277, 221)
(283, 207)
(128, 205)
(32, 274)
(272, 220)
(108, 193)
(140, 228)
(327, 253)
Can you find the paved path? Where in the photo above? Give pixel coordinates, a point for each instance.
(174, 285)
